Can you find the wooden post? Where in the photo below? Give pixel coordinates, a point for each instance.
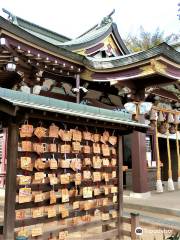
(77, 86)
(10, 190)
(178, 155)
(139, 163)
(120, 187)
(134, 225)
(105, 228)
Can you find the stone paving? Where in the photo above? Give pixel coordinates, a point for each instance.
(166, 202)
(159, 208)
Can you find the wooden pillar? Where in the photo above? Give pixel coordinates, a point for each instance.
(134, 225)
(139, 163)
(105, 228)
(77, 86)
(120, 187)
(10, 190)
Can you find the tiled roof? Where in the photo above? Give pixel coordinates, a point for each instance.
(41, 32)
(93, 63)
(88, 39)
(162, 49)
(94, 34)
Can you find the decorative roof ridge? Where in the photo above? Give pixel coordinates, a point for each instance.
(77, 41)
(89, 30)
(43, 28)
(96, 32)
(104, 21)
(107, 19)
(90, 37)
(39, 29)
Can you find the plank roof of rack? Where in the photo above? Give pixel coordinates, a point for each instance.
(31, 101)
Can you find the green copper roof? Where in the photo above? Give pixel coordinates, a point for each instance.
(38, 31)
(44, 37)
(95, 33)
(89, 38)
(108, 63)
(95, 64)
(32, 101)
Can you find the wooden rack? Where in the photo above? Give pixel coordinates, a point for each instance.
(27, 222)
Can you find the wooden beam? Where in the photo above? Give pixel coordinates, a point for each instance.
(77, 86)
(8, 108)
(165, 94)
(15, 54)
(10, 191)
(58, 96)
(121, 128)
(46, 203)
(45, 219)
(120, 187)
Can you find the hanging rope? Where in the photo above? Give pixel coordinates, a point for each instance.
(170, 181)
(158, 156)
(159, 186)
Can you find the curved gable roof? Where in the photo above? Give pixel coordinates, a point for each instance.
(92, 37)
(96, 35)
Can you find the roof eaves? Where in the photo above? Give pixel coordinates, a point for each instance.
(119, 39)
(161, 50)
(17, 31)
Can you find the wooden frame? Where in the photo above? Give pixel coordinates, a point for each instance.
(11, 189)
(120, 186)
(10, 193)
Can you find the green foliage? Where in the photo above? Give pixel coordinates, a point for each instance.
(145, 40)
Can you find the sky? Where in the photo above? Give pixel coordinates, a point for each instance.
(73, 17)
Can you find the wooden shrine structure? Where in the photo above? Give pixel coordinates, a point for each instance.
(82, 84)
(95, 69)
(47, 173)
